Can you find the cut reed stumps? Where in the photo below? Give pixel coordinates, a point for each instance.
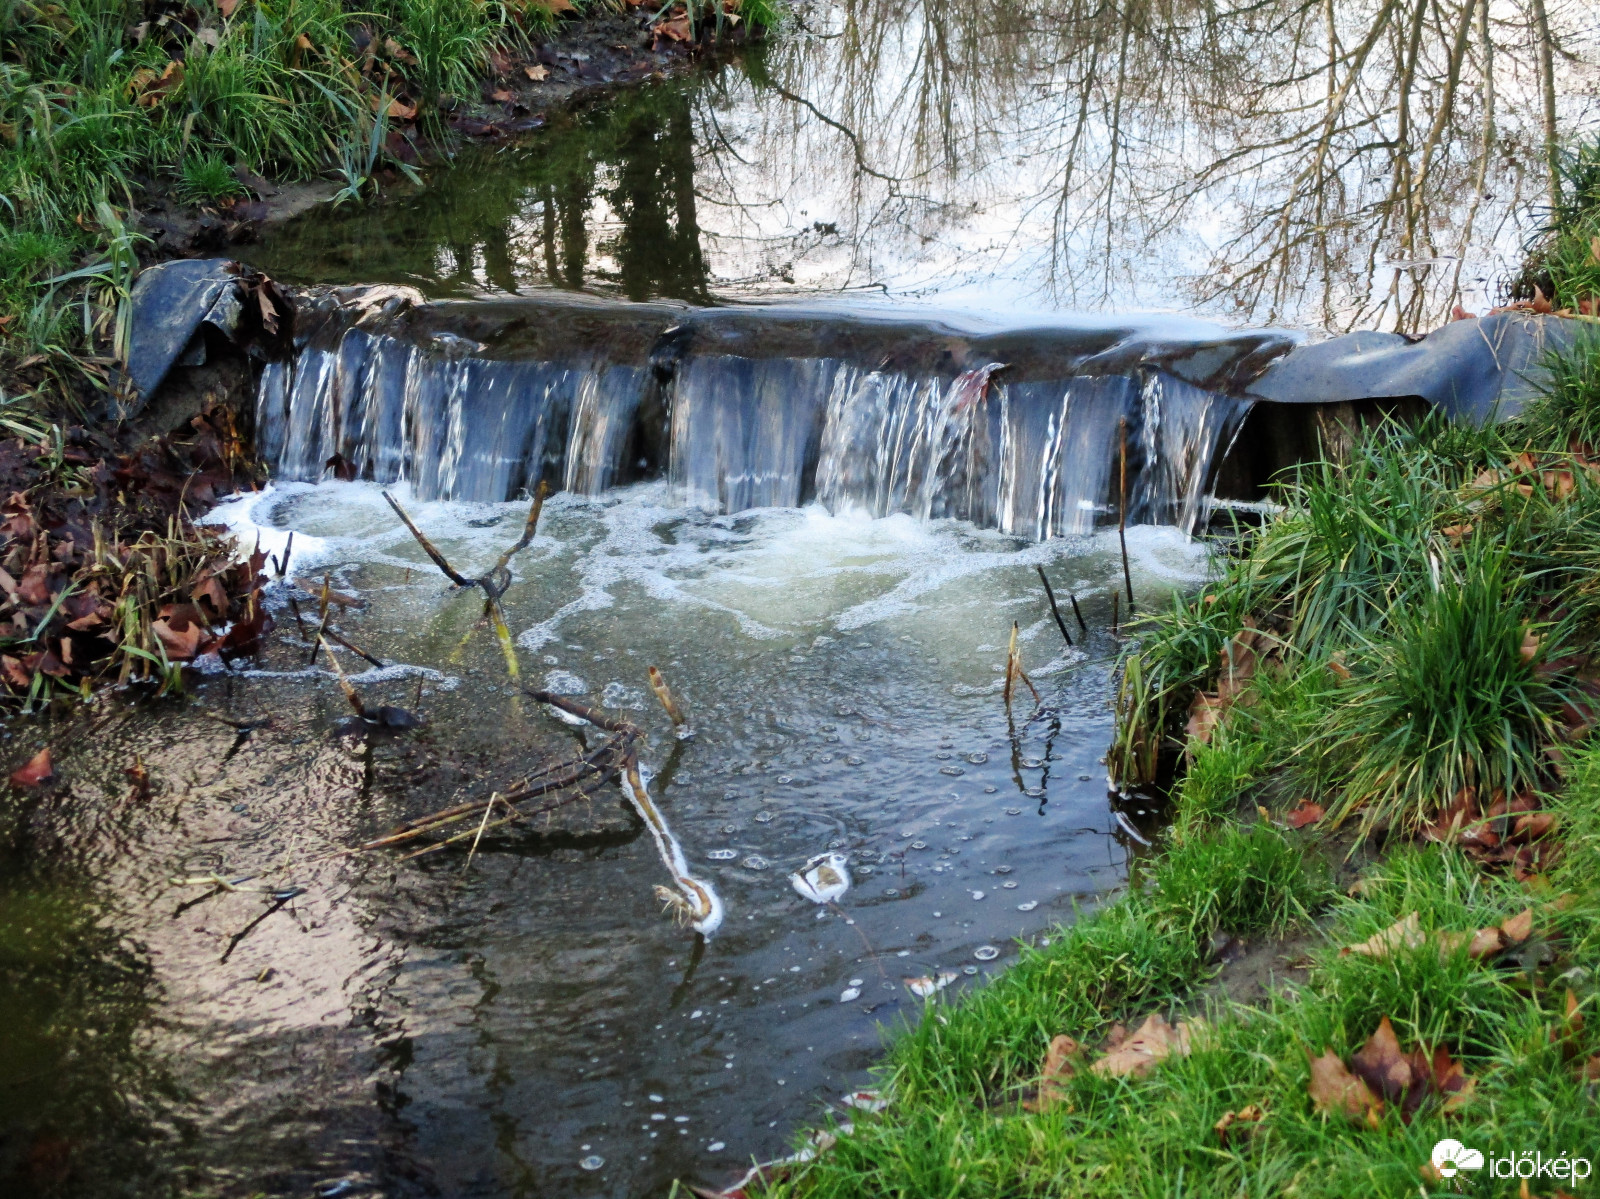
(1014, 670)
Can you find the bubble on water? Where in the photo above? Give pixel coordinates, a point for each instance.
(969, 969)
(852, 760)
(722, 855)
(891, 893)
(919, 845)
(1084, 778)
(986, 953)
(1029, 906)
(855, 982)
(729, 829)
(942, 756)
(990, 790)
(716, 1147)
(680, 1119)
(977, 895)
(978, 759)
(763, 817)
(1002, 869)
(786, 778)
(1013, 811)
(593, 1162)
(1034, 792)
(825, 758)
(951, 770)
(755, 862)
(653, 1098)
(850, 995)
(1009, 885)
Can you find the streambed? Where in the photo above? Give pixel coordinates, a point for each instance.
(425, 1027)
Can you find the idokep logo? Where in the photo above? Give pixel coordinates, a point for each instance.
(1452, 1157)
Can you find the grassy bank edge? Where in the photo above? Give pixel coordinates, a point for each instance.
(1429, 611)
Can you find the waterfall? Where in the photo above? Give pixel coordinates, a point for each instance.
(848, 422)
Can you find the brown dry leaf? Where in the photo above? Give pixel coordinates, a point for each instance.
(1405, 933)
(1306, 813)
(1152, 1043)
(1334, 1089)
(1240, 1123)
(1381, 1064)
(1540, 304)
(211, 591)
(1337, 667)
(180, 638)
(1455, 533)
(226, 7)
(674, 29)
(39, 769)
(1519, 927)
(501, 96)
(1486, 480)
(555, 7)
(1531, 642)
(1058, 1067)
(396, 110)
(536, 73)
(1204, 713)
(1590, 1071)
(1571, 1027)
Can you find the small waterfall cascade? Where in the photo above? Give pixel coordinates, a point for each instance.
(376, 392)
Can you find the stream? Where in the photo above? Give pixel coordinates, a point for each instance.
(823, 353)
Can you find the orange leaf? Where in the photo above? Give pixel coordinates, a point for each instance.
(1204, 713)
(1153, 1042)
(1335, 1090)
(226, 7)
(1306, 813)
(38, 770)
(1058, 1067)
(501, 96)
(536, 73)
(1405, 933)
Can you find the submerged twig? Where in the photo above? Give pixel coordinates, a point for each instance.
(1054, 610)
(1122, 514)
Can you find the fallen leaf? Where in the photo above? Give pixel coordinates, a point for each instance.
(1382, 1065)
(1334, 1090)
(1455, 533)
(674, 29)
(501, 96)
(1058, 1068)
(1519, 928)
(1204, 713)
(38, 770)
(1531, 642)
(226, 7)
(1240, 1123)
(179, 638)
(1152, 1043)
(1306, 813)
(1540, 304)
(1405, 933)
(537, 73)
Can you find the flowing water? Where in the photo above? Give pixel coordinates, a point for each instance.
(841, 356)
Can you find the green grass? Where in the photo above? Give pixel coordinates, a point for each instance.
(100, 107)
(955, 1127)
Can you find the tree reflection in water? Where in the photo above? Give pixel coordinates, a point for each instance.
(1299, 161)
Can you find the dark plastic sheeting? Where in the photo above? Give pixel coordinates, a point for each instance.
(1482, 369)
(171, 300)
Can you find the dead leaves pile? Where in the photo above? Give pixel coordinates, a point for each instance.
(1515, 832)
(1250, 650)
(1383, 1075)
(1406, 934)
(677, 25)
(101, 573)
(1126, 1055)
